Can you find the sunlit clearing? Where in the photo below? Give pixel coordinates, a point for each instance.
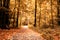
(25, 26)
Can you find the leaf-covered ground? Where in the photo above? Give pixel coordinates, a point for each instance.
(20, 34)
(49, 33)
(29, 34)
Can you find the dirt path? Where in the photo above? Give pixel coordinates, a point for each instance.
(19, 34)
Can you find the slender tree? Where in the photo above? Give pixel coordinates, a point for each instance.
(40, 15)
(35, 12)
(52, 16)
(58, 14)
(18, 11)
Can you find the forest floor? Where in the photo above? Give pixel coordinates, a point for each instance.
(20, 34)
(29, 34)
(49, 33)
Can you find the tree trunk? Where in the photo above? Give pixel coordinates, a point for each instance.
(58, 8)
(35, 12)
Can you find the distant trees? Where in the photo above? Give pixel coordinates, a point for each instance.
(6, 3)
